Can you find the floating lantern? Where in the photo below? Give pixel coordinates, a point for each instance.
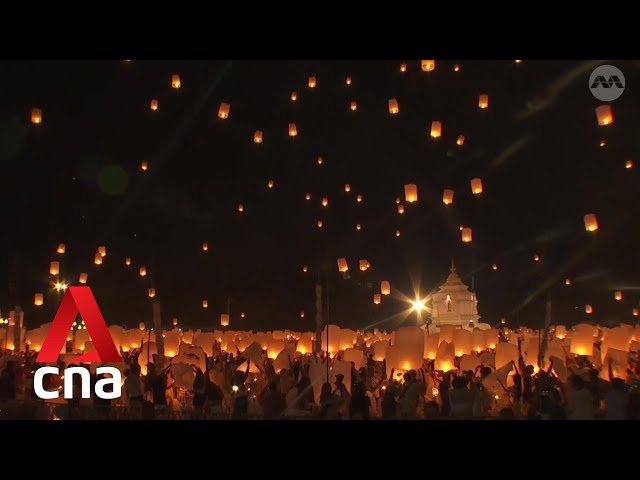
(400, 209)
(590, 222)
(398, 200)
(582, 343)
(320, 161)
(567, 281)
(38, 300)
(347, 188)
(223, 111)
(241, 208)
(604, 114)
(54, 268)
(518, 61)
(364, 265)
(358, 227)
(242, 315)
(588, 309)
(127, 262)
(319, 223)
(154, 105)
(603, 143)
(385, 287)
(257, 136)
(393, 106)
(224, 320)
(561, 332)
(294, 96)
(307, 196)
(305, 269)
(152, 292)
(456, 68)
(175, 81)
(205, 304)
(397, 233)
(403, 67)
(635, 312)
(293, 130)
(447, 196)
(342, 265)
(461, 342)
(144, 166)
(348, 81)
(476, 186)
(536, 258)
(83, 278)
(325, 202)
(354, 106)
(97, 259)
(436, 129)
(460, 140)
(494, 267)
(312, 82)
(302, 314)
(478, 340)
(466, 235)
(175, 322)
(377, 298)
(411, 193)
(618, 296)
(359, 199)
(483, 101)
(36, 116)
(629, 164)
(205, 247)
(270, 184)
(61, 249)
(428, 65)
(143, 271)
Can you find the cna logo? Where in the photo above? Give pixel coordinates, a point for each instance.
(606, 83)
(79, 300)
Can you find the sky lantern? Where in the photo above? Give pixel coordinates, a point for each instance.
(83, 278)
(325, 202)
(242, 315)
(483, 101)
(628, 164)
(205, 304)
(294, 96)
(307, 196)
(401, 209)
(205, 247)
(305, 269)
(590, 222)
(97, 259)
(347, 188)
(536, 258)
(411, 193)
(635, 312)
(38, 299)
(293, 130)
(320, 161)
(618, 296)
(319, 223)
(603, 143)
(127, 262)
(358, 227)
(152, 292)
(494, 266)
(377, 298)
(36, 116)
(460, 140)
(348, 81)
(447, 196)
(467, 235)
(302, 314)
(364, 265)
(354, 105)
(476, 186)
(588, 309)
(403, 67)
(102, 250)
(397, 233)
(312, 82)
(385, 287)
(223, 111)
(54, 268)
(61, 249)
(175, 81)
(224, 320)
(143, 271)
(428, 65)
(154, 105)
(359, 199)
(436, 129)
(398, 200)
(393, 106)
(240, 208)
(567, 281)
(270, 184)
(144, 166)
(605, 115)
(257, 136)
(342, 265)
(456, 68)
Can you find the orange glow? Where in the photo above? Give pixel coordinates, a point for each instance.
(302, 314)
(144, 166)
(466, 235)
(342, 265)
(567, 281)
(456, 68)
(354, 106)
(604, 115)
(436, 129)
(205, 247)
(460, 140)
(364, 265)
(377, 298)
(393, 106)
(61, 249)
(97, 259)
(257, 136)
(242, 315)
(320, 161)
(358, 227)
(307, 196)
(36, 116)
(270, 184)
(143, 271)
(312, 82)
(359, 199)
(240, 208)
(348, 81)
(127, 262)
(476, 186)
(152, 292)
(483, 101)
(224, 320)
(325, 202)
(590, 222)
(83, 278)
(223, 111)
(536, 258)
(400, 209)
(629, 164)
(319, 223)
(347, 188)
(494, 267)
(618, 296)
(305, 269)
(428, 65)
(403, 67)
(38, 299)
(294, 96)
(397, 233)
(518, 61)
(411, 193)
(385, 287)
(175, 81)
(603, 143)
(635, 312)
(293, 130)
(447, 196)
(205, 304)
(588, 309)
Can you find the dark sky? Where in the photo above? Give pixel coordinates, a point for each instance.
(76, 179)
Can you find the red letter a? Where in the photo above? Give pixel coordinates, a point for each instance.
(79, 300)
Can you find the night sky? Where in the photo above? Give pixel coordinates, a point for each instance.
(76, 179)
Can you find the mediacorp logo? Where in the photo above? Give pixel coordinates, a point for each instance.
(607, 83)
(79, 300)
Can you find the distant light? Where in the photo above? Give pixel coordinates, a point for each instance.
(456, 68)
(235, 388)
(518, 61)
(603, 143)
(494, 267)
(567, 281)
(629, 164)
(403, 67)
(536, 258)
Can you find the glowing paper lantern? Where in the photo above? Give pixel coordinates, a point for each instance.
(305, 269)
(359, 199)
(205, 247)
(294, 96)
(304, 345)
(348, 81)
(478, 340)
(307, 196)
(567, 281)
(445, 357)
(561, 332)
(342, 265)
(403, 67)
(604, 114)
(400, 209)
(617, 295)
(154, 105)
(628, 165)
(224, 320)
(270, 184)
(175, 81)
(393, 106)
(456, 68)
(460, 140)
(364, 265)
(590, 222)
(293, 130)
(353, 106)
(409, 343)
(411, 193)
(505, 353)
(397, 233)
(143, 271)
(97, 259)
(461, 342)
(144, 166)
(36, 116)
(102, 251)
(334, 339)
(61, 249)
(582, 343)
(385, 288)
(491, 337)
(588, 309)
(348, 338)
(223, 111)
(476, 186)
(152, 292)
(302, 314)
(358, 227)
(377, 298)
(446, 333)
(319, 223)
(312, 82)
(436, 129)
(428, 65)
(205, 304)
(325, 202)
(431, 343)
(483, 101)
(241, 208)
(467, 235)
(536, 258)
(54, 268)
(447, 196)
(38, 299)
(257, 136)
(127, 262)
(83, 278)
(494, 266)
(635, 312)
